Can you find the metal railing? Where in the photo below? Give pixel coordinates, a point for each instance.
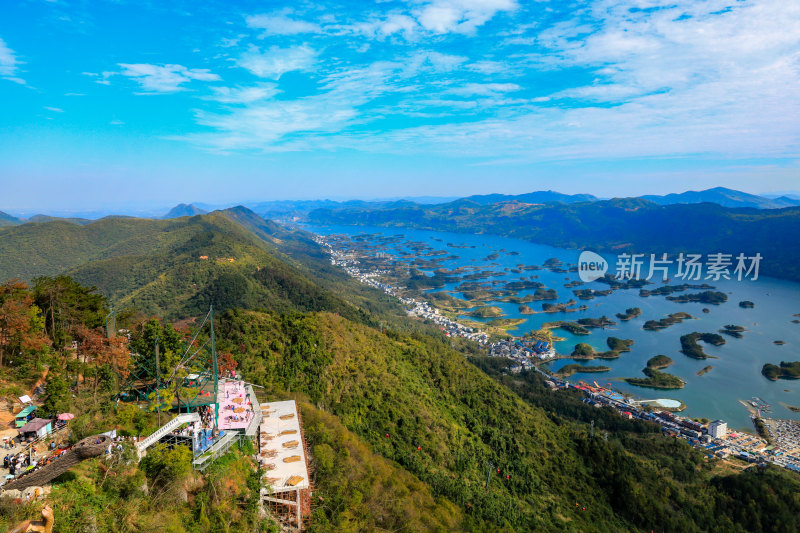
(252, 427)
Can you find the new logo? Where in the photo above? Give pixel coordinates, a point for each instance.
(591, 266)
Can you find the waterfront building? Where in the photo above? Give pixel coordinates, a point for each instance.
(718, 429)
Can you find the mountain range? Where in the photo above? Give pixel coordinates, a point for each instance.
(297, 210)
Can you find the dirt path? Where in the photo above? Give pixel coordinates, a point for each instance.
(40, 381)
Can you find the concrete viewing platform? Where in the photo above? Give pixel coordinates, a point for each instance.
(282, 453)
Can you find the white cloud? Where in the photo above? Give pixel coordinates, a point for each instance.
(161, 78)
(460, 16)
(280, 24)
(484, 89)
(244, 95)
(277, 61)
(54, 109)
(715, 79)
(9, 64)
(386, 26)
(116, 122)
(283, 125)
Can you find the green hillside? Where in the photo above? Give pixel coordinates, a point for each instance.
(175, 268)
(416, 402)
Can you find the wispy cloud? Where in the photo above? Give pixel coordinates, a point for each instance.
(484, 89)
(161, 78)
(280, 23)
(9, 64)
(244, 95)
(460, 16)
(612, 79)
(54, 109)
(276, 61)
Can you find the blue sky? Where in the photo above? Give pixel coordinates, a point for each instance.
(118, 103)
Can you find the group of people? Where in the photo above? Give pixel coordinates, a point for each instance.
(23, 463)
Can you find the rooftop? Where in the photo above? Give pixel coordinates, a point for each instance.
(282, 451)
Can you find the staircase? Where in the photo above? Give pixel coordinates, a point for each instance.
(157, 435)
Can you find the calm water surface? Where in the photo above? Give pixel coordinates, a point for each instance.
(736, 372)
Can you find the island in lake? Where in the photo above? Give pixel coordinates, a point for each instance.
(733, 331)
(616, 346)
(572, 327)
(487, 311)
(704, 370)
(631, 312)
(673, 318)
(656, 379)
(573, 368)
(690, 347)
(705, 297)
(786, 370)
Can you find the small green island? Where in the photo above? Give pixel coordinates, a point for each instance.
(690, 347)
(705, 297)
(704, 370)
(619, 345)
(733, 331)
(447, 302)
(656, 379)
(487, 311)
(544, 294)
(601, 322)
(505, 323)
(562, 307)
(659, 361)
(589, 294)
(574, 368)
(746, 304)
(631, 312)
(616, 346)
(669, 320)
(571, 327)
(786, 370)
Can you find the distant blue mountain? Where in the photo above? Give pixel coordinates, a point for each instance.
(184, 210)
(538, 197)
(725, 198)
(8, 220)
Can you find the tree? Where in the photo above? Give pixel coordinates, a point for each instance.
(67, 305)
(117, 356)
(143, 342)
(226, 363)
(56, 394)
(21, 325)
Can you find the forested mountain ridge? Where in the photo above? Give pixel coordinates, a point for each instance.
(176, 268)
(619, 225)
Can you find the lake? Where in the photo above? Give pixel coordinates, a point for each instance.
(736, 373)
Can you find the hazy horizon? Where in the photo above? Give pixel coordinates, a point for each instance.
(160, 208)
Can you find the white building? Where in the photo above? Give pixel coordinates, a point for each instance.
(718, 429)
